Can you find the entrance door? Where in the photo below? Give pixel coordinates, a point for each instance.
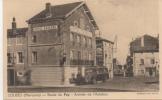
(11, 77)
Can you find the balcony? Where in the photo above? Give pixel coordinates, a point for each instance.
(80, 31)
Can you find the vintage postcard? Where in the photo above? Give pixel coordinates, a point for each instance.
(82, 49)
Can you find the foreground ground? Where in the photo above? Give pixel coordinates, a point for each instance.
(117, 84)
(140, 84)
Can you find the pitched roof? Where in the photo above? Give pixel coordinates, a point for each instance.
(61, 12)
(151, 44)
(17, 31)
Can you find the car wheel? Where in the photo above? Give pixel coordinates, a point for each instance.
(104, 80)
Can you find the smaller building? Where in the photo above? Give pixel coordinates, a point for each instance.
(16, 55)
(145, 53)
(104, 54)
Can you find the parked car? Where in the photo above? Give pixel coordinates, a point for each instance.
(92, 75)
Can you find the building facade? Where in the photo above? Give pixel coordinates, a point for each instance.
(145, 53)
(61, 43)
(104, 54)
(16, 55)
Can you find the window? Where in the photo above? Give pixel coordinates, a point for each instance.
(86, 55)
(9, 41)
(76, 23)
(73, 75)
(84, 40)
(9, 57)
(152, 61)
(105, 56)
(105, 44)
(99, 51)
(142, 61)
(78, 39)
(89, 57)
(71, 36)
(82, 24)
(71, 55)
(34, 57)
(90, 42)
(20, 57)
(79, 56)
(19, 40)
(142, 71)
(34, 39)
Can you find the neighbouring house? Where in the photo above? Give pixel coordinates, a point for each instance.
(145, 53)
(16, 55)
(104, 54)
(61, 43)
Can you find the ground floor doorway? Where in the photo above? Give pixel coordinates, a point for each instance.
(11, 79)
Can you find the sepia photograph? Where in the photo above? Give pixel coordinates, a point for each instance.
(81, 46)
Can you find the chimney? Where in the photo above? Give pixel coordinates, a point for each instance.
(13, 23)
(48, 9)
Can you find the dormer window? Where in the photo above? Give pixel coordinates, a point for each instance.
(88, 28)
(76, 23)
(48, 15)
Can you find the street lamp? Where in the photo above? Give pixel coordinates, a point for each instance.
(63, 60)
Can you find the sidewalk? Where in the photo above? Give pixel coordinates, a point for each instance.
(117, 84)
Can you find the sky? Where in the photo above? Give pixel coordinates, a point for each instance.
(126, 19)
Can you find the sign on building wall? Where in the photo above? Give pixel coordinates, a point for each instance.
(45, 28)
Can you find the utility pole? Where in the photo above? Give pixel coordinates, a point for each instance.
(115, 46)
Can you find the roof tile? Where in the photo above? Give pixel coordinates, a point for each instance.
(58, 11)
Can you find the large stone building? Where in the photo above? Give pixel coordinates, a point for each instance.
(104, 54)
(16, 54)
(61, 43)
(145, 53)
